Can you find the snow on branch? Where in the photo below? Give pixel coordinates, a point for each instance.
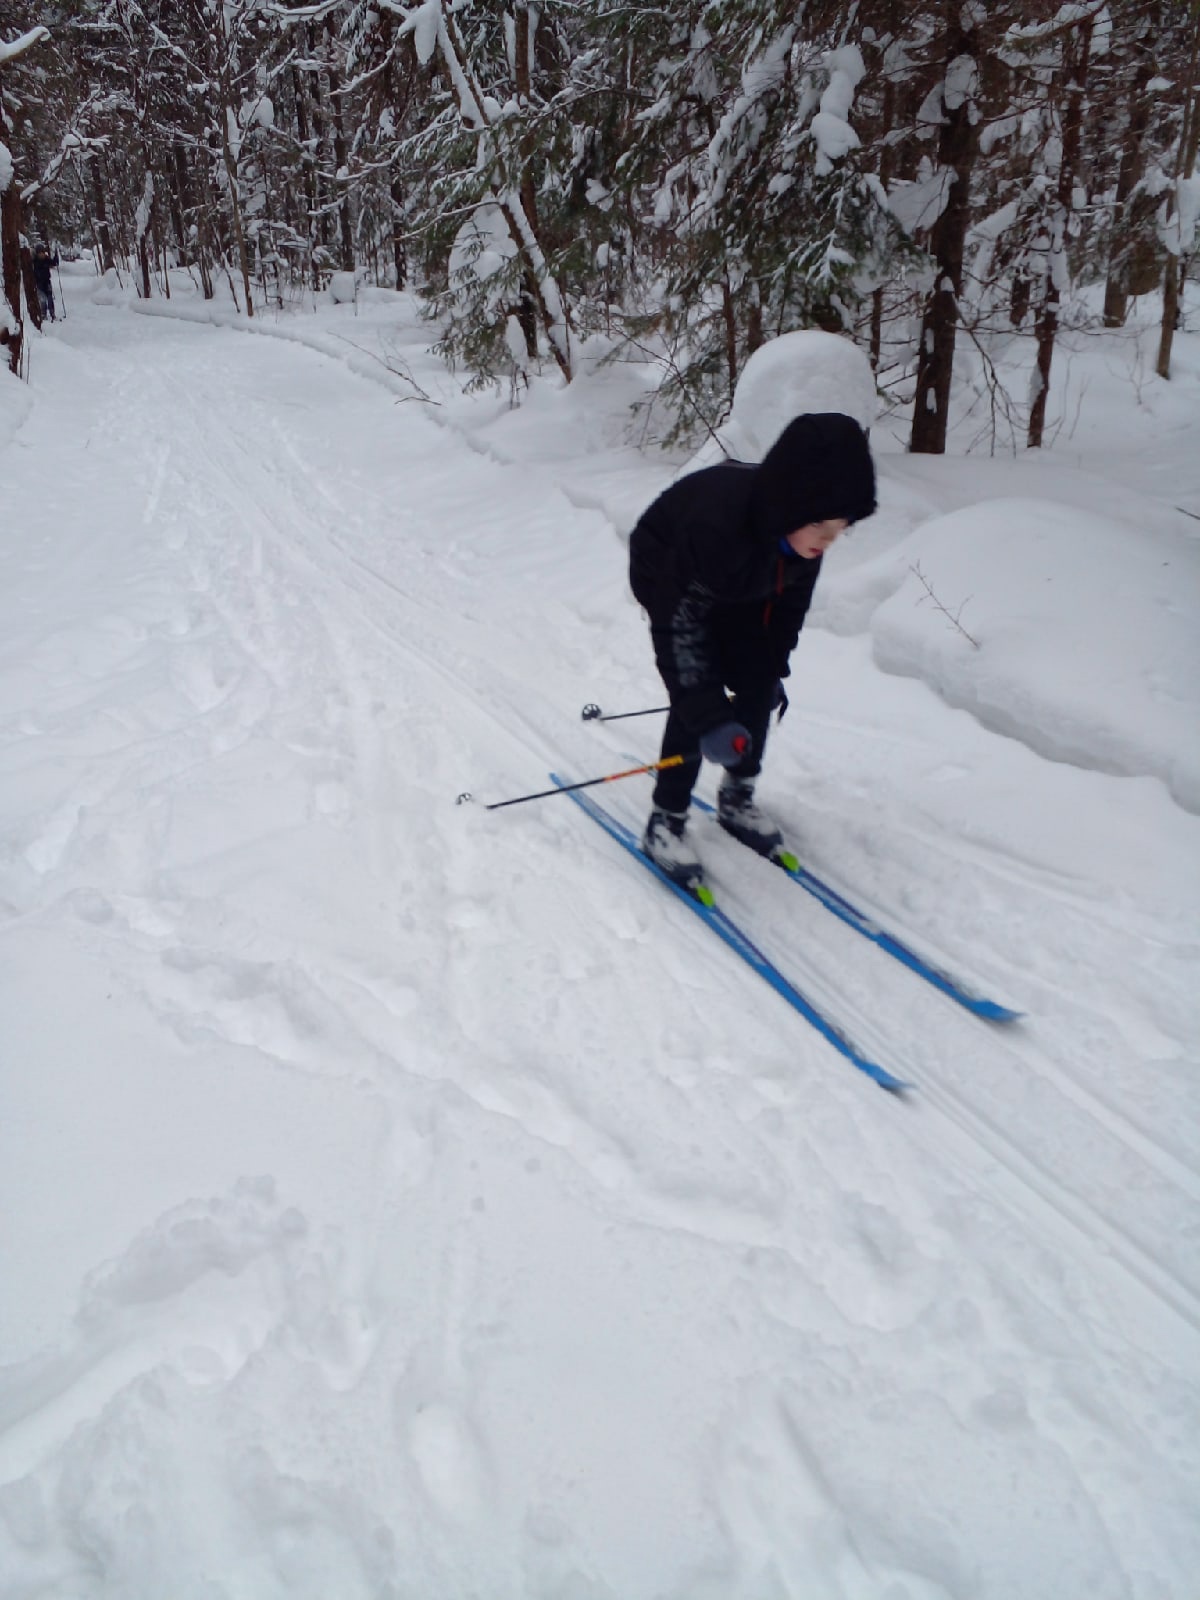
(917, 204)
(742, 126)
(1064, 19)
(1177, 231)
(17, 47)
(313, 13)
(72, 143)
(427, 26)
(831, 128)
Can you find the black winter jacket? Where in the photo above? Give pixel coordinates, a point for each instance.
(706, 561)
(41, 271)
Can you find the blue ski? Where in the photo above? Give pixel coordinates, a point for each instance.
(978, 1004)
(725, 928)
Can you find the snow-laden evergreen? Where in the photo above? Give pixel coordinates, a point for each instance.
(937, 181)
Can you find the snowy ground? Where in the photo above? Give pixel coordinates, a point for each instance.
(404, 1200)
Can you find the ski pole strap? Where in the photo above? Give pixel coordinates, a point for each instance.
(609, 777)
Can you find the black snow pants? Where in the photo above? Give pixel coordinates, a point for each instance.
(748, 651)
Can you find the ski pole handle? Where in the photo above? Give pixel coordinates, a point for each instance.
(566, 788)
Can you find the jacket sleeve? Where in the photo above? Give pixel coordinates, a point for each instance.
(676, 570)
(787, 617)
(688, 659)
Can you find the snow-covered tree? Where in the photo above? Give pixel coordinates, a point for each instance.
(931, 177)
(15, 49)
(759, 206)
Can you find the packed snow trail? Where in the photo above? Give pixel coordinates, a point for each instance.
(404, 1200)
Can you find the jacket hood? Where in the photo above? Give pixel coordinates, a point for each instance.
(819, 468)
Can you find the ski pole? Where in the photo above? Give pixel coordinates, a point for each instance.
(592, 713)
(566, 788)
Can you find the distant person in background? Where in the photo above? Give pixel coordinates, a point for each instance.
(43, 265)
(725, 562)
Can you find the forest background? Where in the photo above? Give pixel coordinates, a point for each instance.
(684, 181)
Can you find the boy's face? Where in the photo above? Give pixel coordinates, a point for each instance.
(814, 538)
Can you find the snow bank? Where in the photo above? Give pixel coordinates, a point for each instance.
(798, 372)
(16, 402)
(1085, 626)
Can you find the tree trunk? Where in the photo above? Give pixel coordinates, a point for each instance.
(235, 202)
(552, 308)
(103, 230)
(179, 206)
(308, 162)
(729, 318)
(958, 145)
(145, 232)
(886, 166)
(1129, 175)
(144, 264)
(399, 248)
(10, 258)
(755, 334)
(341, 156)
(1185, 165)
(320, 215)
(1077, 46)
(527, 314)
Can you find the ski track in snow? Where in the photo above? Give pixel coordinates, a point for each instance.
(414, 1200)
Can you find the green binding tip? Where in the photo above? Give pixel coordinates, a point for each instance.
(705, 895)
(786, 860)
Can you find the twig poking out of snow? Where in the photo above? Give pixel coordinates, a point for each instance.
(915, 569)
(393, 364)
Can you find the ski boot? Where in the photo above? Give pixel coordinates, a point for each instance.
(739, 815)
(665, 842)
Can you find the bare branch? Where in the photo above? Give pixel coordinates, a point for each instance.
(951, 616)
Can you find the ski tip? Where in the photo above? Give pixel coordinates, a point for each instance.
(992, 1011)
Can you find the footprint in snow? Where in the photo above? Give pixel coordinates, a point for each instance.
(449, 1460)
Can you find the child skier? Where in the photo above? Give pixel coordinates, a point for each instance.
(43, 262)
(724, 562)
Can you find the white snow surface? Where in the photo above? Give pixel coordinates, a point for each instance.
(1061, 627)
(403, 1199)
(801, 372)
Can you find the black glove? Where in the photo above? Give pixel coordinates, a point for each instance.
(780, 700)
(726, 745)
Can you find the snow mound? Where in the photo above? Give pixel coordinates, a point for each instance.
(799, 372)
(1100, 673)
(343, 288)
